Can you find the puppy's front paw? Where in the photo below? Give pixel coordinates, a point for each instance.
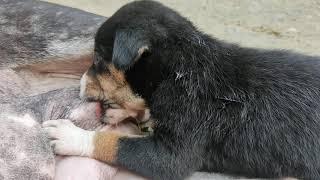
(68, 139)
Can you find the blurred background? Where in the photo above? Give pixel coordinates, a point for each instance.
(284, 24)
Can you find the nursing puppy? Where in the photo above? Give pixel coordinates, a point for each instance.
(218, 107)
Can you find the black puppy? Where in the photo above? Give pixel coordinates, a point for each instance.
(217, 107)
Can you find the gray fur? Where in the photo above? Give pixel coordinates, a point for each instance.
(33, 31)
(24, 151)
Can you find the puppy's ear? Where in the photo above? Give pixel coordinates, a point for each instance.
(129, 45)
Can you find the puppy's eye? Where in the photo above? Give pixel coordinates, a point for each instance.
(145, 54)
(99, 63)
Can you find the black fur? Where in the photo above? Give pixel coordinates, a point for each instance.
(218, 107)
(126, 46)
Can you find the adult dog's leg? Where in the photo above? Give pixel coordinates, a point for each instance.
(144, 155)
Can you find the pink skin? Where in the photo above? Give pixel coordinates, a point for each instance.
(82, 168)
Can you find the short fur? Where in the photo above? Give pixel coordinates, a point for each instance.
(218, 107)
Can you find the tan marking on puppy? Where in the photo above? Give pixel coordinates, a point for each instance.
(106, 146)
(137, 109)
(90, 88)
(115, 116)
(112, 86)
(117, 75)
(116, 88)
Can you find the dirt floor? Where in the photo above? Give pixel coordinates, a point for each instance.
(284, 24)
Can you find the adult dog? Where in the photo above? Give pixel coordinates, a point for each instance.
(217, 106)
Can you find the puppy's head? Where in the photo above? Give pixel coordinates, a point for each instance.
(131, 54)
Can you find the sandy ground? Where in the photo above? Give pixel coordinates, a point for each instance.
(284, 24)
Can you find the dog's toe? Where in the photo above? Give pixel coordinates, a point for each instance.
(68, 139)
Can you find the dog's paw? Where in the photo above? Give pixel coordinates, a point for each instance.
(68, 139)
(115, 116)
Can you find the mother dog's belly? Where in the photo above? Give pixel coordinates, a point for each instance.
(81, 168)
